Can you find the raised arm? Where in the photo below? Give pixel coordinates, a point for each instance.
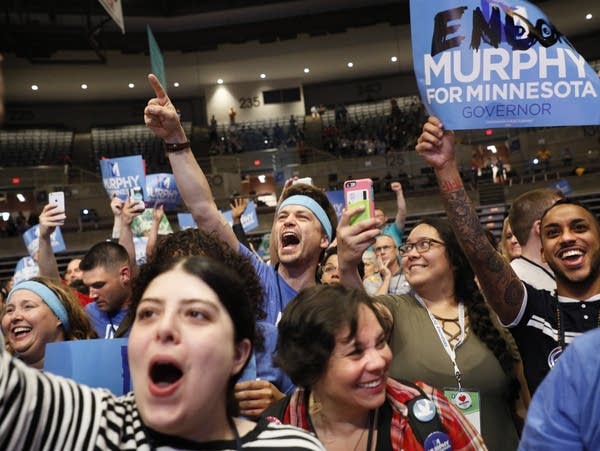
(400, 219)
(128, 212)
(500, 285)
(161, 117)
(50, 218)
(157, 214)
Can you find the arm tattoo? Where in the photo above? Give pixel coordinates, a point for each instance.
(499, 283)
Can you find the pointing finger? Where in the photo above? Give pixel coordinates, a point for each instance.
(158, 89)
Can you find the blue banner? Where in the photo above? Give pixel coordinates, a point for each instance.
(484, 63)
(157, 62)
(96, 363)
(249, 218)
(186, 221)
(162, 189)
(564, 186)
(31, 239)
(121, 174)
(337, 200)
(26, 269)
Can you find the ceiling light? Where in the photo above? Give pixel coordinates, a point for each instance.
(492, 149)
(83, 86)
(20, 197)
(220, 81)
(393, 59)
(262, 178)
(263, 75)
(176, 84)
(131, 85)
(34, 87)
(5, 215)
(588, 16)
(350, 64)
(306, 70)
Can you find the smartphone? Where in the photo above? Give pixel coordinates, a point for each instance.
(305, 180)
(57, 198)
(136, 195)
(360, 192)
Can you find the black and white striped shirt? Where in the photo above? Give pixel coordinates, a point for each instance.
(40, 411)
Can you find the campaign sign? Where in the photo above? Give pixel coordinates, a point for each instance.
(96, 363)
(249, 218)
(486, 63)
(142, 224)
(186, 221)
(26, 269)
(162, 189)
(121, 174)
(337, 200)
(564, 186)
(32, 241)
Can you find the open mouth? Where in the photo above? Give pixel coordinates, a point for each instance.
(165, 374)
(289, 239)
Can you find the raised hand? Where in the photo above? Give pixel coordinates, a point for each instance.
(161, 117)
(436, 145)
(237, 208)
(50, 218)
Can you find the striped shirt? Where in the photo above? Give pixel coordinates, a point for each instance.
(40, 411)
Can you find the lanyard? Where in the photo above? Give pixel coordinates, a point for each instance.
(450, 350)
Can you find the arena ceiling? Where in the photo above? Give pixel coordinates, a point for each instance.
(58, 45)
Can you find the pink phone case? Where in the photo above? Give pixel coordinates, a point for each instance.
(360, 192)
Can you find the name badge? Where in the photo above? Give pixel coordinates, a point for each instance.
(467, 401)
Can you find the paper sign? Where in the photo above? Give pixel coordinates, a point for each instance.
(97, 363)
(32, 242)
(121, 174)
(249, 218)
(186, 221)
(157, 63)
(162, 189)
(482, 63)
(141, 225)
(115, 11)
(337, 201)
(26, 269)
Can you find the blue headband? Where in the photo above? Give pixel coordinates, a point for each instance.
(48, 296)
(313, 206)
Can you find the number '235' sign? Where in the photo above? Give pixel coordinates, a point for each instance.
(249, 102)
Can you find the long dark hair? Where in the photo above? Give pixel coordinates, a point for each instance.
(478, 312)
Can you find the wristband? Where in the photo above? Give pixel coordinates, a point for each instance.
(176, 147)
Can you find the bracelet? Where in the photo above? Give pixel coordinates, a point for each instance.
(176, 147)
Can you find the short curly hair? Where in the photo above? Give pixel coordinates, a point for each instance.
(310, 323)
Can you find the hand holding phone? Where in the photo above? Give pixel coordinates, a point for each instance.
(360, 192)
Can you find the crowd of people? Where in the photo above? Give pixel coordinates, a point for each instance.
(359, 337)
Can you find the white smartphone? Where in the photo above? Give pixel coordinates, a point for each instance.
(57, 198)
(137, 197)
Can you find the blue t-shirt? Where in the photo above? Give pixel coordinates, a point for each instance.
(565, 409)
(105, 324)
(264, 361)
(277, 292)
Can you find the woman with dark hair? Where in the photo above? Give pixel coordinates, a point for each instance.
(444, 333)
(333, 344)
(189, 343)
(39, 311)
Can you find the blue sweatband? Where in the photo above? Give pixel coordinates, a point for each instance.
(313, 206)
(48, 296)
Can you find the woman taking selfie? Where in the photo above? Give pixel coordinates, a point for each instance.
(189, 343)
(332, 343)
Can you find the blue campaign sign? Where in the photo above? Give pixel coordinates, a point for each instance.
(162, 189)
(337, 200)
(31, 239)
(485, 63)
(121, 174)
(249, 218)
(97, 363)
(26, 269)
(186, 221)
(564, 186)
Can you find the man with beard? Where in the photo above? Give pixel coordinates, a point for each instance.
(542, 324)
(303, 227)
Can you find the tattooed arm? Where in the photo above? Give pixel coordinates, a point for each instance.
(500, 285)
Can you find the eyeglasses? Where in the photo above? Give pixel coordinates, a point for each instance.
(329, 268)
(421, 246)
(384, 248)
